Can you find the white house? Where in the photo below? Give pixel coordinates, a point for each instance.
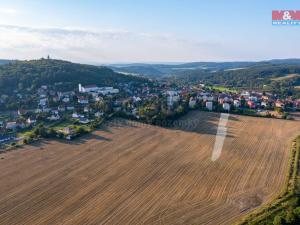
(192, 103)
(99, 114)
(172, 96)
(83, 100)
(66, 99)
(236, 103)
(253, 98)
(76, 115)
(136, 99)
(107, 90)
(95, 88)
(38, 110)
(31, 121)
(61, 108)
(43, 102)
(245, 95)
(87, 88)
(84, 120)
(209, 106)
(11, 125)
(264, 104)
(54, 117)
(226, 106)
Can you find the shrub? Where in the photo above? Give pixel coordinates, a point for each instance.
(278, 220)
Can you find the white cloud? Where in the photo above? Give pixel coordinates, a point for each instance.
(95, 46)
(8, 11)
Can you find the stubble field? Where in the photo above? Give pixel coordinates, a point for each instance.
(129, 173)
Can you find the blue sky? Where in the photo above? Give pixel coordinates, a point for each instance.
(146, 31)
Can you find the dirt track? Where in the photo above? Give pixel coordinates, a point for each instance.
(135, 174)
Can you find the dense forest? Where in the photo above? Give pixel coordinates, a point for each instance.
(29, 75)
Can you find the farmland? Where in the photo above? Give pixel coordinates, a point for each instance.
(131, 173)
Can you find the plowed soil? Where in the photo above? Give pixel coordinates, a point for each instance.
(130, 173)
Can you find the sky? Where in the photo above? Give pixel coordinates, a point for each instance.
(122, 31)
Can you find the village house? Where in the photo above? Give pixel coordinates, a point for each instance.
(264, 104)
(65, 99)
(66, 94)
(209, 105)
(279, 104)
(251, 104)
(172, 97)
(12, 125)
(99, 90)
(55, 98)
(245, 95)
(136, 99)
(22, 112)
(83, 100)
(84, 120)
(226, 106)
(192, 102)
(68, 132)
(76, 115)
(87, 88)
(43, 102)
(99, 114)
(86, 109)
(297, 104)
(61, 108)
(31, 122)
(70, 108)
(46, 110)
(236, 103)
(38, 110)
(54, 117)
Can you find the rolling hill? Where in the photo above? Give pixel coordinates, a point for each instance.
(223, 73)
(4, 61)
(277, 74)
(256, 76)
(29, 75)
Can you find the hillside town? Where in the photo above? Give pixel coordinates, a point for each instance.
(65, 110)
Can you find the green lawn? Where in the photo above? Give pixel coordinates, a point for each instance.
(223, 89)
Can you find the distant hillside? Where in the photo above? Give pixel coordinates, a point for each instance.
(4, 61)
(274, 76)
(21, 75)
(147, 71)
(167, 70)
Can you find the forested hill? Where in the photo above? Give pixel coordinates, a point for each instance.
(28, 75)
(258, 76)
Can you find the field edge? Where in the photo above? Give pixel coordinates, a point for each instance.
(289, 192)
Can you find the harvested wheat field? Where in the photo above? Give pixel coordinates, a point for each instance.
(136, 174)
